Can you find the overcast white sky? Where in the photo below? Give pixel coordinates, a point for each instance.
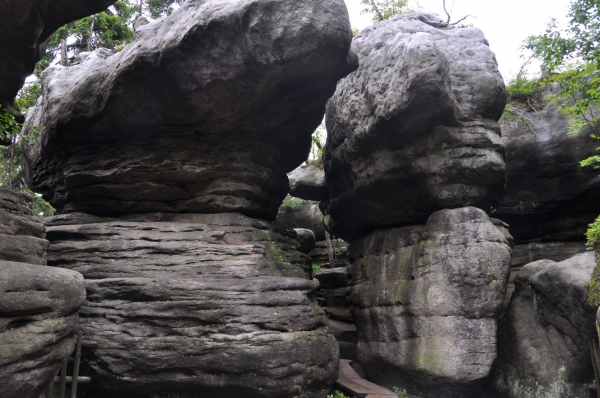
(505, 23)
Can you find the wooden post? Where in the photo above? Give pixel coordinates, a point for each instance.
(63, 378)
(330, 250)
(50, 390)
(76, 367)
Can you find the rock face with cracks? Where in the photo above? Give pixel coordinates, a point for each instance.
(425, 300)
(38, 304)
(549, 196)
(196, 304)
(205, 111)
(543, 341)
(308, 182)
(414, 129)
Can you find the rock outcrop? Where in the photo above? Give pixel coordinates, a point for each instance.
(414, 129)
(22, 236)
(543, 341)
(38, 304)
(308, 182)
(195, 303)
(38, 325)
(204, 111)
(549, 196)
(426, 299)
(25, 27)
(299, 213)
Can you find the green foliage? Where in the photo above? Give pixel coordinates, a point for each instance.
(291, 202)
(28, 96)
(316, 267)
(593, 235)
(112, 28)
(338, 394)
(383, 9)
(400, 392)
(520, 88)
(571, 59)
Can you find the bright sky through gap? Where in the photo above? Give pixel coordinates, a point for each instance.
(505, 23)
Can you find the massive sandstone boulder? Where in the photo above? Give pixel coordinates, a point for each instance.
(205, 111)
(25, 26)
(38, 304)
(426, 300)
(195, 304)
(414, 129)
(299, 213)
(308, 182)
(549, 196)
(543, 346)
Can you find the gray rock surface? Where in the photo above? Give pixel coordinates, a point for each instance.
(22, 236)
(308, 182)
(426, 299)
(306, 239)
(333, 282)
(320, 254)
(300, 213)
(414, 129)
(543, 341)
(197, 304)
(38, 325)
(205, 111)
(345, 334)
(549, 196)
(24, 28)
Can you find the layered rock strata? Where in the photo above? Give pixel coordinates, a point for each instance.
(198, 304)
(414, 129)
(204, 111)
(426, 299)
(543, 341)
(549, 196)
(38, 304)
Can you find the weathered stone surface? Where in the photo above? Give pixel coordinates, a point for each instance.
(333, 282)
(21, 234)
(308, 182)
(195, 303)
(24, 28)
(204, 111)
(320, 254)
(345, 334)
(306, 239)
(555, 251)
(299, 213)
(549, 196)
(426, 299)
(543, 341)
(414, 129)
(38, 325)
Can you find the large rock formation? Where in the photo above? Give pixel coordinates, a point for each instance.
(196, 304)
(38, 304)
(157, 157)
(38, 325)
(549, 196)
(426, 299)
(543, 346)
(204, 111)
(299, 213)
(25, 26)
(308, 182)
(414, 129)
(22, 236)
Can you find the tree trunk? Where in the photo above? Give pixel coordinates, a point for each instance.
(89, 43)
